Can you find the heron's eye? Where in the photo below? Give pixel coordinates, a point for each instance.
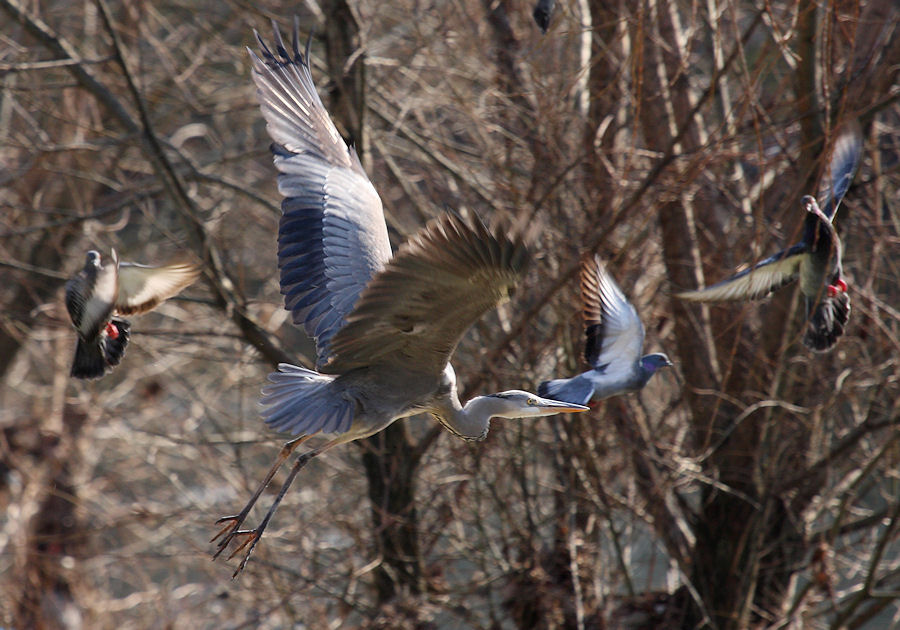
(532, 402)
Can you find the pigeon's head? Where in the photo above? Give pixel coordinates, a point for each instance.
(656, 361)
(810, 204)
(92, 259)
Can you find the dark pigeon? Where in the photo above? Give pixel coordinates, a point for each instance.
(815, 261)
(97, 297)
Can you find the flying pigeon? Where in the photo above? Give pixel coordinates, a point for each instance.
(815, 260)
(97, 297)
(614, 342)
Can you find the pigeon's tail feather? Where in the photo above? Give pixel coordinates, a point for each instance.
(96, 357)
(89, 361)
(827, 322)
(577, 390)
(114, 343)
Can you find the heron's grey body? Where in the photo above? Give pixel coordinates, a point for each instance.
(385, 326)
(614, 342)
(97, 297)
(815, 261)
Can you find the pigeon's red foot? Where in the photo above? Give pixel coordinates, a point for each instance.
(839, 287)
(111, 331)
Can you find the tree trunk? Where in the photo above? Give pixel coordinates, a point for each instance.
(389, 458)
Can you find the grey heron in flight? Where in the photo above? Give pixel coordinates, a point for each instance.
(614, 340)
(815, 260)
(385, 326)
(99, 295)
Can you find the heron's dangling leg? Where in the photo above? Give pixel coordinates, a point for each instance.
(253, 535)
(232, 523)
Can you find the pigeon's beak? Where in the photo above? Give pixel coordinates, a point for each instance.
(556, 406)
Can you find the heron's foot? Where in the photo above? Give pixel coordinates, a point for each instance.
(250, 537)
(228, 532)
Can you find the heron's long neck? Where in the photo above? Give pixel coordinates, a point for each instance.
(471, 422)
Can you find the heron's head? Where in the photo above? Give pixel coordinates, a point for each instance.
(516, 403)
(656, 361)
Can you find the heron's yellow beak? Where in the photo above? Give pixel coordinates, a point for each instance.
(558, 406)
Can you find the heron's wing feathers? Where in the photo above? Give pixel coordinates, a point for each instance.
(845, 159)
(614, 333)
(332, 237)
(143, 288)
(764, 277)
(413, 313)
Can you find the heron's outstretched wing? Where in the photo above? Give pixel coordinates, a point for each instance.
(614, 333)
(413, 313)
(844, 161)
(758, 281)
(332, 237)
(143, 288)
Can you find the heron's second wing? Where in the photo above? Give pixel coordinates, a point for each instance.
(143, 288)
(764, 277)
(414, 312)
(332, 236)
(614, 333)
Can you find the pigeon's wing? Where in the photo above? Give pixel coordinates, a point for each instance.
(845, 158)
(143, 288)
(332, 237)
(614, 333)
(764, 277)
(414, 312)
(77, 292)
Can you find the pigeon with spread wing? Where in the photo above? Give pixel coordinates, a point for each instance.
(815, 261)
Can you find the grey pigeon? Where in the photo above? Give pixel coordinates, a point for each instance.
(614, 342)
(97, 297)
(815, 260)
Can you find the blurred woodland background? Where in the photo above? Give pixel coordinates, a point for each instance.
(753, 486)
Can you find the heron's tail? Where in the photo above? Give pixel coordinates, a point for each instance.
(96, 357)
(827, 322)
(302, 401)
(577, 390)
